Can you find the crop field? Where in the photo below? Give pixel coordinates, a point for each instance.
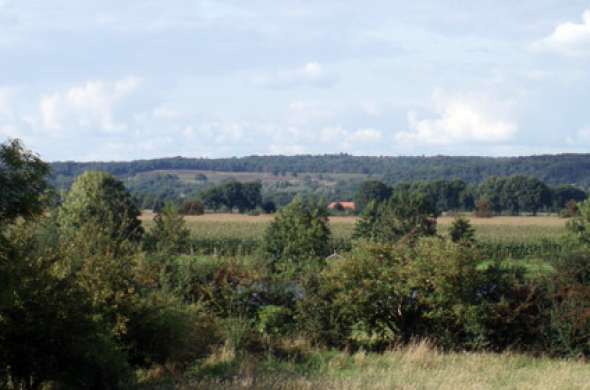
(497, 229)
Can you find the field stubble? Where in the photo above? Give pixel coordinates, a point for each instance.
(246, 227)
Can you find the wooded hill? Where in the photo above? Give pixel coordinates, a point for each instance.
(552, 169)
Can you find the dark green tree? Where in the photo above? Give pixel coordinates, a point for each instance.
(22, 182)
(405, 214)
(298, 238)
(371, 190)
(462, 231)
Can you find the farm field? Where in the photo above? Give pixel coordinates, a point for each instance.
(245, 227)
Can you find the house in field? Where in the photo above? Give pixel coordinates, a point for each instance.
(342, 206)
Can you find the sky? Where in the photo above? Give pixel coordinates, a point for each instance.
(121, 80)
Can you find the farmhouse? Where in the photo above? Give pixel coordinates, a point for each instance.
(342, 206)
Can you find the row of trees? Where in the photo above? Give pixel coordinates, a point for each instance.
(552, 169)
(511, 195)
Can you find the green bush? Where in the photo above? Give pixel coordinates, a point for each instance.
(298, 238)
(405, 215)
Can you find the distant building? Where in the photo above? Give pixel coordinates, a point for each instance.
(342, 206)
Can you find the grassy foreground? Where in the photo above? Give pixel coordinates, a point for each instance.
(417, 366)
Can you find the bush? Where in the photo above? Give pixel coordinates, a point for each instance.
(405, 215)
(192, 207)
(381, 295)
(462, 231)
(298, 238)
(169, 233)
(483, 209)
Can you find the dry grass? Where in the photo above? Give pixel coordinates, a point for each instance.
(222, 226)
(265, 218)
(420, 366)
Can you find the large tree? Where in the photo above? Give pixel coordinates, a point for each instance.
(22, 182)
(405, 214)
(298, 237)
(371, 191)
(100, 202)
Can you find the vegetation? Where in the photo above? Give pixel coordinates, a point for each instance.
(91, 299)
(552, 169)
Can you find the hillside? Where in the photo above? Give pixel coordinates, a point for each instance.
(552, 169)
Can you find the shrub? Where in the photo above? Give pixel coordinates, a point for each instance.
(381, 295)
(483, 208)
(462, 231)
(169, 233)
(568, 331)
(192, 207)
(274, 320)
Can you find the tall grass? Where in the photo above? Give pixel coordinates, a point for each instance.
(417, 366)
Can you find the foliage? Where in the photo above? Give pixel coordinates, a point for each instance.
(169, 233)
(192, 207)
(100, 202)
(579, 226)
(553, 169)
(462, 231)
(483, 208)
(234, 195)
(371, 191)
(404, 215)
(22, 180)
(298, 237)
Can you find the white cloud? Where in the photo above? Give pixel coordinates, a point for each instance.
(89, 106)
(568, 38)
(164, 112)
(311, 74)
(460, 119)
(365, 136)
(582, 136)
(333, 134)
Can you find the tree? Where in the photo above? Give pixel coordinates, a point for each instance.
(462, 231)
(100, 236)
(192, 207)
(269, 206)
(483, 208)
(299, 237)
(563, 194)
(50, 333)
(23, 182)
(97, 199)
(371, 190)
(579, 226)
(405, 214)
(169, 233)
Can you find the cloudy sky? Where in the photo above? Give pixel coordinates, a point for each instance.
(121, 80)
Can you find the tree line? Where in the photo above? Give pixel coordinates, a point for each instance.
(552, 169)
(510, 195)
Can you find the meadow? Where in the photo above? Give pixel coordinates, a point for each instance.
(415, 366)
